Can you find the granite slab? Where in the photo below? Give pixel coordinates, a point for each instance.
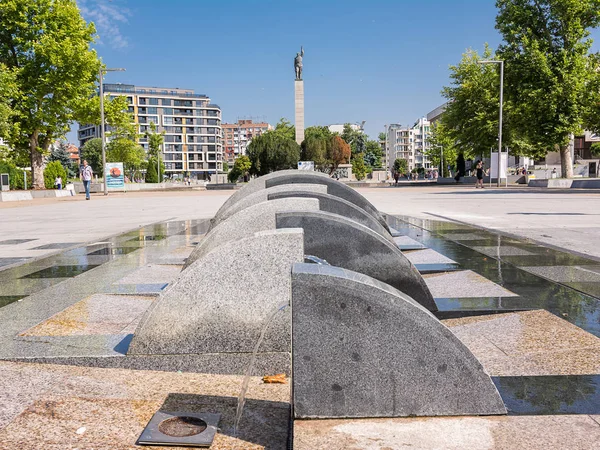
(427, 256)
(465, 283)
(579, 432)
(97, 314)
(528, 343)
(152, 273)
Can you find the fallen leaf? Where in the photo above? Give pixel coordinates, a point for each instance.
(279, 378)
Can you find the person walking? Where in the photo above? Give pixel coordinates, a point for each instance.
(479, 173)
(58, 182)
(86, 176)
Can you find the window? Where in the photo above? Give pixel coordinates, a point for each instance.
(152, 110)
(166, 102)
(153, 101)
(168, 111)
(167, 120)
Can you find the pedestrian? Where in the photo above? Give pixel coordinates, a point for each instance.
(86, 176)
(58, 182)
(479, 173)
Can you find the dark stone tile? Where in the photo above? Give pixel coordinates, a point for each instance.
(8, 299)
(592, 289)
(9, 261)
(16, 241)
(567, 394)
(55, 246)
(60, 271)
(436, 268)
(113, 251)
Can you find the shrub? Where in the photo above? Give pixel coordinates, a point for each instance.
(15, 175)
(54, 169)
(151, 175)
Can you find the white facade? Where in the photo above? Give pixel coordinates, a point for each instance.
(409, 143)
(339, 127)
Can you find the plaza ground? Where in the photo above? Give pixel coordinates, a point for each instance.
(65, 299)
(564, 218)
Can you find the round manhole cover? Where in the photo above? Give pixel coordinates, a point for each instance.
(182, 426)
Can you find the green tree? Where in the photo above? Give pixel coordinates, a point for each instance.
(547, 48)
(15, 175)
(126, 151)
(92, 153)
(47, 43)
(61, 154)
(442, 144)
(151, 175)
(241, 167)
(272, 151)
(8, 95)
(315, 149)
(382, 136)
(373, 154)
(355, 138)
(471, 116)
(51, 171)
(400, 166)
(155, 142)
(595, 149)
(117, 116)
(359, 168)
(285, 128)
(225, 167)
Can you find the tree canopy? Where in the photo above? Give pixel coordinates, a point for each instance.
(546, 50)
(47, 44)
(272, 151)
(92, 153)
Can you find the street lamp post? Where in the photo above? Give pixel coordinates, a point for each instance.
(100, 76)
(492, 61)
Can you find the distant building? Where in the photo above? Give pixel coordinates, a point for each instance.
(339, 127)
(409, 143)
(237, 137)
(437, 113)
(192, 127)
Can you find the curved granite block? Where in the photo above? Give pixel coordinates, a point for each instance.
(345, 243)
(245, 223)
(334, 187)
(361, 348)
(221, 302)
(262, 196)
(258, 184)
(337, 205)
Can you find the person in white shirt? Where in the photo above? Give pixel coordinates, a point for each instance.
(58, 183)
(86, 177)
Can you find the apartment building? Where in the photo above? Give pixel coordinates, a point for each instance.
(237, 137)
(191, 123)
(409, 143)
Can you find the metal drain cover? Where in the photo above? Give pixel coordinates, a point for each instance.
(180, 428)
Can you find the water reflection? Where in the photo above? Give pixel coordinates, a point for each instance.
(568, 394)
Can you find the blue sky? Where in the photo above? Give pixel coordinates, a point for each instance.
(378, 61)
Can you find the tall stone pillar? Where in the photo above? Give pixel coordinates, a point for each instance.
(299, 102)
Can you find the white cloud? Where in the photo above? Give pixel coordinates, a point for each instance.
(109, 16)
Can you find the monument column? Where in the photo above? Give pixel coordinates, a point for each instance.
(299, 97)
(299, 102)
